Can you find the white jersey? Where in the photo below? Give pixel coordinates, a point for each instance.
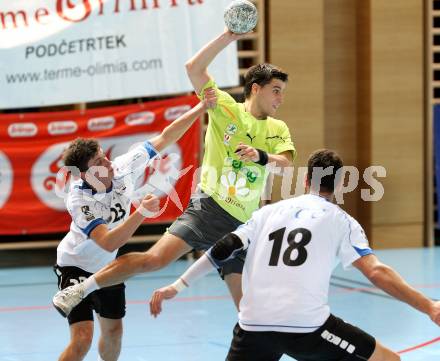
(89, 209)
(292, 248)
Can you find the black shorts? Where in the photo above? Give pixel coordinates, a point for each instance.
(108, 302)
(335, 340)
(202, 224)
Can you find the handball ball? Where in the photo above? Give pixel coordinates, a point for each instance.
(240, 16)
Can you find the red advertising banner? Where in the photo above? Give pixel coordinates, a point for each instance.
(31, 147)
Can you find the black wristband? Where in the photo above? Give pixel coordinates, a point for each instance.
(264, 158)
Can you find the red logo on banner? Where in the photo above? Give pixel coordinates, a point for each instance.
(54, 167)
(63, 11)
(35, 176)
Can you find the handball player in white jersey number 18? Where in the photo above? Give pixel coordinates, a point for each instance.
(292, 248)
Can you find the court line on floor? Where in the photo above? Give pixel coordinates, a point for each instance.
(344, 288)
(132, 302)
(413, 348)
(339, 278)
(370, 285)
(371, 289)
(158, 277)
(95, 349)
(424, 344)
(136, 278)
(368, 291)
(192, 299)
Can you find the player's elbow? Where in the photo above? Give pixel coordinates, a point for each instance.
(288, 163)
(378, 273)
(189, 66)
(283, 165)
(109, 248)
(106, 243)
(284, 160)
(289, 157)
(194, 71)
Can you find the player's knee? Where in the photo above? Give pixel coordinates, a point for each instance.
(152, 262)
(395, 357)
(382, 353)
(81, 341)
(113, 334)
(391, 356)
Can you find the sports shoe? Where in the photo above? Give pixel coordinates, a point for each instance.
(65, 300)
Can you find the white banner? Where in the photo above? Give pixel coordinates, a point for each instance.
(72, 51)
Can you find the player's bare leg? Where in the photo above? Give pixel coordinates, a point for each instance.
(81, 335)
(168, 249)
(110, 340)
(381, 353)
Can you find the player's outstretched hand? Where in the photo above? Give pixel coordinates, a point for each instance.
(234, 36)
(247, 153)
(164, 293)
(434, 313)
(209, 98)
(151, 203)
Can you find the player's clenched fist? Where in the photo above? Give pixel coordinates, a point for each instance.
(151, 203)
(247, 153)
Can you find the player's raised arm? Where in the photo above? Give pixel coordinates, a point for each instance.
(197, 66)
(178, 128)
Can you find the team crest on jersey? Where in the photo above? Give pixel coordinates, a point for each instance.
(120, 189)
(231, 129)
(226, 139)
(89, 215)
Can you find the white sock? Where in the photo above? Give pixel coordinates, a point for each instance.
(90, 285)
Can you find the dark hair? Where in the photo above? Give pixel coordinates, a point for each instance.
(79, 152)
(262, 74)
(317, 164)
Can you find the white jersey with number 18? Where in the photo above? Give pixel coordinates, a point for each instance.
(292, 248)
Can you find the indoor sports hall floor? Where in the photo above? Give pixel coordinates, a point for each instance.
(197, 326)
